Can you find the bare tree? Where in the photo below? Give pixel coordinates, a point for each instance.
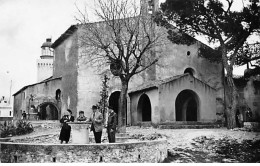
(124, 39)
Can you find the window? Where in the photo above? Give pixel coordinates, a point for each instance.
(10, 113)
(23, 95)
(58, 92)
(190, 71)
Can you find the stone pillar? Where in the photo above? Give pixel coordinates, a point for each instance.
(80, 132)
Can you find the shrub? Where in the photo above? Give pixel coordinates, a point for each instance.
(23, 127)
(9, 129)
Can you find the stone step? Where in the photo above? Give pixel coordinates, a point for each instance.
(188, 123)
(189, 126)
(145, 124)
(122, 134)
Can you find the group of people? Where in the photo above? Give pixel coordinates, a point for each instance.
(97, 124)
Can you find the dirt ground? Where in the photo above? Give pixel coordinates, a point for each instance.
(194, 145)
(208, 145)
(184, 137)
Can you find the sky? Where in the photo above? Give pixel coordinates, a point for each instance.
(24, 27)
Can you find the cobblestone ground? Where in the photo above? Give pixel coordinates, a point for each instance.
(185, 145)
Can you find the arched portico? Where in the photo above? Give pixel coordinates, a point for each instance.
(114, 101)
(144, 108)
(187, 106)
(48, 111)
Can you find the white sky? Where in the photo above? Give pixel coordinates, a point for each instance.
(24, 26)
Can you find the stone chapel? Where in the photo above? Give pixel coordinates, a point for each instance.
(187, 87)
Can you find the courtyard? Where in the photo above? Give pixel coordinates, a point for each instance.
(217, 145)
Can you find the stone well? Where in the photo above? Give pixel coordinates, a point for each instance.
(143, 151)
(80, 132)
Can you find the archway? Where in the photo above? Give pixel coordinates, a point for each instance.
(48, 111)
(144, 108)
(114, 101)
(190, 71)
(187, 106)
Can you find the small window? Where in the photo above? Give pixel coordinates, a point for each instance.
(10, 113)
(58, 93)
(190, 71)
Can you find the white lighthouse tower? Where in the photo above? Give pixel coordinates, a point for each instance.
(45, 64)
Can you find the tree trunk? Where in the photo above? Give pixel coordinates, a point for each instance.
(231, 105)
(122, 107)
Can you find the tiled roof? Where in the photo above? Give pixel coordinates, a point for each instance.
(65, 35)
(46, 80)
(155, 84)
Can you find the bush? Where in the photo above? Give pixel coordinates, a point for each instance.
(9, 129)
(23, 127)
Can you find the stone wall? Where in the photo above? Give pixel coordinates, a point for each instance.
(136, 114)
(65, 65)
(175, 59)
(146, 151)
(205, 94)
(249, 96)
(42, 92)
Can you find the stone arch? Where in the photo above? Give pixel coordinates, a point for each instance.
(48, 111)
(114, 101)
(187, 106)
(144, 108)
(189, 70)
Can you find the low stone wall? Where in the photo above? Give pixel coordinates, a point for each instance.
(145, 151)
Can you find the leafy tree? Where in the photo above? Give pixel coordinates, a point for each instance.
(249, 55)
(124, 39)
(216, 20)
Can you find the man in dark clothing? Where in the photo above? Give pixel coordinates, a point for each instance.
(111, 125)
(97, 124)
(24, 115)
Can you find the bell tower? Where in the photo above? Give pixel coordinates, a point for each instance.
(148, 9)
(45, 64)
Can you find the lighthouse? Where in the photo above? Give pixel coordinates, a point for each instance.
(45, 63)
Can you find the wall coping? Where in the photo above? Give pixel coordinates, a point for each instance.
(84, 122)
(160, 140)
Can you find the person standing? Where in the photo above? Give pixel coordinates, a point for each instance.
(66, 129)
(24, 115)
(81, 116)
(71, 118)
(97, 124)
(111, 125)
